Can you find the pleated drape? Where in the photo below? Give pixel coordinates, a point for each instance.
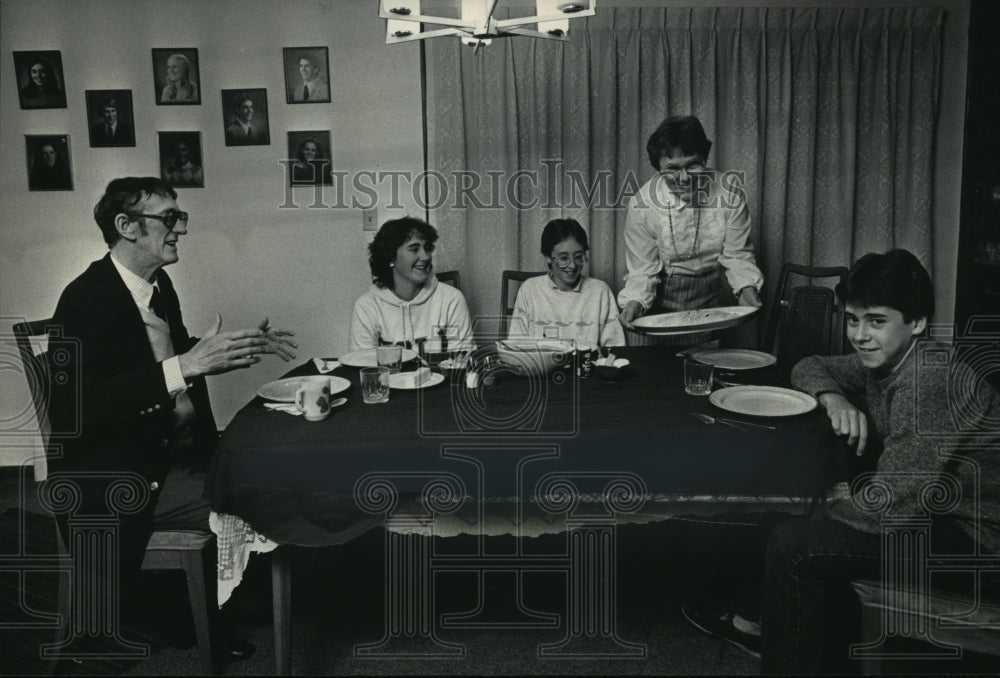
(828, 113)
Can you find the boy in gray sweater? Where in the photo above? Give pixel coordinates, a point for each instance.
(939, 424)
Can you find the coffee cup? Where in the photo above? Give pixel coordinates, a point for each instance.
(313, 398)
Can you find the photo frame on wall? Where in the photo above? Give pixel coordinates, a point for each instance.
(244, 113)
(310, 155)
(307, 75)
(40, 82)
(181, 161)
(175, 76)
(48, 161)
(109, 117)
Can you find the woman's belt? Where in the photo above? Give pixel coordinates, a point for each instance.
(707, 271)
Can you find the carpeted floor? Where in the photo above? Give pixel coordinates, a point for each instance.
(338, 604)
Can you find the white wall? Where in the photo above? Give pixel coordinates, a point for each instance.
(243, 256)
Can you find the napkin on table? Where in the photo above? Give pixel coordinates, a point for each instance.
(284, 407)
(707, 346)
(325, 366)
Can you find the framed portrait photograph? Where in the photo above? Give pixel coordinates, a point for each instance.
(180, 159)
(48, 162)
(40, 82)
(244, 115)
(310, 153)
(175, 76)
(109, 117)
(307, 75)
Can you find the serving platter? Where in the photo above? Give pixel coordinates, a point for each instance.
(699, 320)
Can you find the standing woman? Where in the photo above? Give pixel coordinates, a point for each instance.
(687, 231)
(406, 305)
(565, 303)
(179, 85)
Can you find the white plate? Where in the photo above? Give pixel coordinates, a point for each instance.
(735, 358)
(763, 401)
(283, 390)
(404, 381)
(365, 357)
(533, 345)
(700, 320)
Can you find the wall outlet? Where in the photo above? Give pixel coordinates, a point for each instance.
(369, 219)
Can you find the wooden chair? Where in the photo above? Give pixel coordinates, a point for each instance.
(167, 549)
(806, 319)
(507, 299)
(450, 277)
(948, 623)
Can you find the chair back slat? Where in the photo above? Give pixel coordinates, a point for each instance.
(805, 327)
(451, 278)
(825, 336)
(32, 339)
(510, 281)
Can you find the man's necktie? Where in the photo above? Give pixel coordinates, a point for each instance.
(249, 133)
(305, 92)
(111, 131)
(156, 304)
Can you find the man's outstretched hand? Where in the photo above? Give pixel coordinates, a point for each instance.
(278, 340)
(218, 352)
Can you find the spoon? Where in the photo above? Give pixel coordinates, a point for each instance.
(708, 419)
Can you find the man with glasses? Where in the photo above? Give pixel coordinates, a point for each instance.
(137, 391)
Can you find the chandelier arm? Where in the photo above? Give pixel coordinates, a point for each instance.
(391, 39)
(427, 19)
(537, 34)
(541, 18)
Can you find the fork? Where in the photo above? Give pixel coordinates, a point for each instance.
(739, 424)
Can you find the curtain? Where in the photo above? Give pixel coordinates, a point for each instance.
(828, 113)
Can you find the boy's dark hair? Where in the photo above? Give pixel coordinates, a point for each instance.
(558, 230)
(678, 132)
(382, 250)
(895, 279)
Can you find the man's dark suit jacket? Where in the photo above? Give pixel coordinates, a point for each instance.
(123, 135)
(120, 398)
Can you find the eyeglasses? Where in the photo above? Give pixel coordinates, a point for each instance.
(169, 219)
(563, 260)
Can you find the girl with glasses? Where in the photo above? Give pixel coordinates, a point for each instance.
(564, 303)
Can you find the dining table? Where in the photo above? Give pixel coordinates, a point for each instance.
(560, 451)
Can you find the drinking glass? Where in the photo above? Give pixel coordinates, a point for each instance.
(389, 356)
(697, 377)
(375, 384)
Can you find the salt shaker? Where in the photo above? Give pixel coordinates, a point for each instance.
(584, 362)
(490, 371)
(471, 374)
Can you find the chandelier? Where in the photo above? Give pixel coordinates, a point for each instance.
(476, 25)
